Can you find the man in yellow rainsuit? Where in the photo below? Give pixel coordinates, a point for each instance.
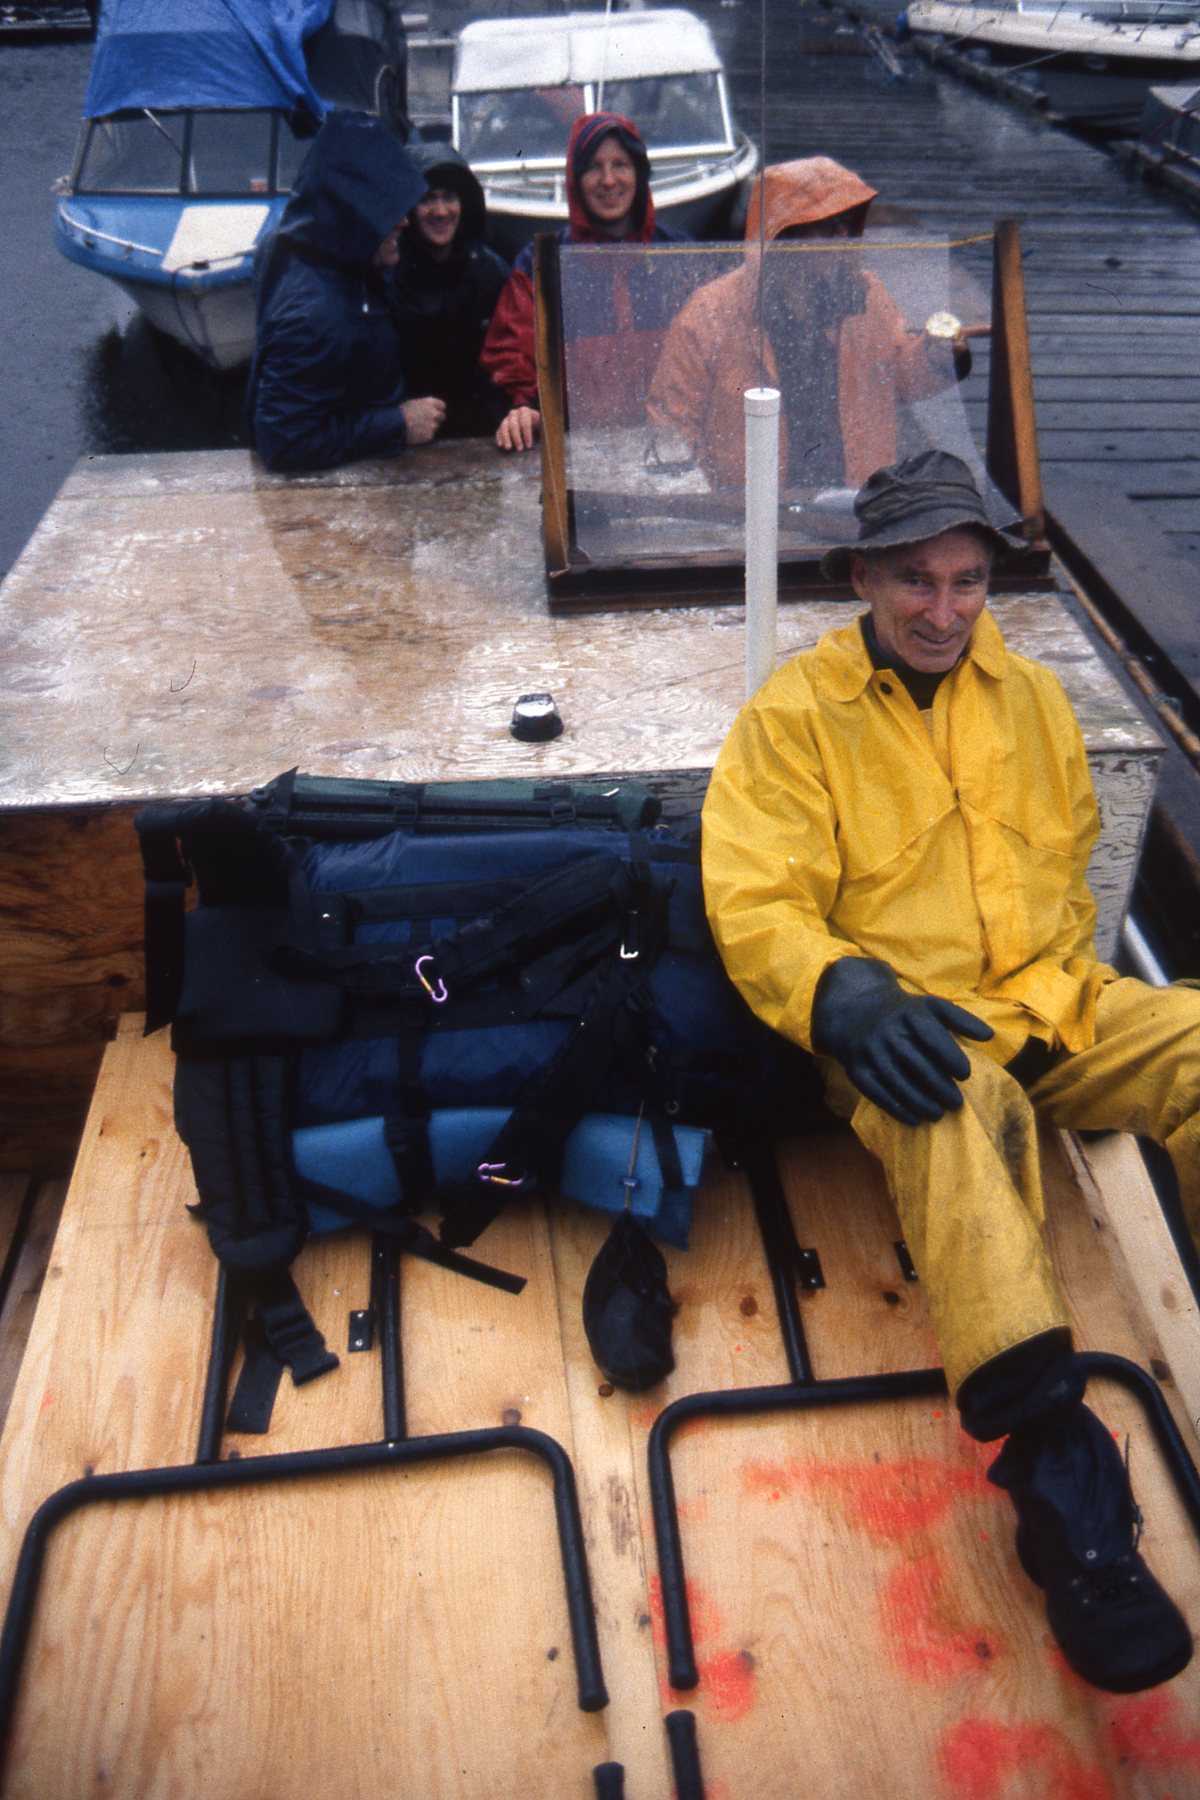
(896, 840)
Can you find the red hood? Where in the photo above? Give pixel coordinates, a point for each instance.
(592, 128)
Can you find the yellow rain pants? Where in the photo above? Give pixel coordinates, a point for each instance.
(967, 1187)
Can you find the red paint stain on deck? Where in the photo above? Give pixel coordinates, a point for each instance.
(1149, 1729)
(726, 1677)
(915, 1623)
(890, 1499)
(727, 1683)
(979, 1756)
(704, 1614)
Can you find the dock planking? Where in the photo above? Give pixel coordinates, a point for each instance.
(1112, 269)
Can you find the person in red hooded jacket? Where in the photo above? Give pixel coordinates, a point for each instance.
(608, 201)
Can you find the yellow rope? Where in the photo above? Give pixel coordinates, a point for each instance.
(824, 245)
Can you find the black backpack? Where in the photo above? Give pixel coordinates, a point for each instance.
(387, 960)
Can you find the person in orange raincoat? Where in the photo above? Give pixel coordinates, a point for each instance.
(836, 344)
(608, 201)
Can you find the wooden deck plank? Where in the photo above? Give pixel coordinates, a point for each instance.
(27, 1277)
(1156, 589)
(1120, 1198)
(1154, 480)
(871, 1557)
(113, 1372)
(386, 1635)
(408, 1631)
(1102, 448)
(16, 1193)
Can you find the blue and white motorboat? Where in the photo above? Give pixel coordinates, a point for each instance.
(196, 119)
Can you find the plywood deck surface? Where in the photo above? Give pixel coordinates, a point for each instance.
(190, 624)
(861, 1624)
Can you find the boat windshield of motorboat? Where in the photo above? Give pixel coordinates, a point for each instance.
(197, 117)
(519, 85)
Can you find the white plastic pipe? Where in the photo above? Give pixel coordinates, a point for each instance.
(762, 533)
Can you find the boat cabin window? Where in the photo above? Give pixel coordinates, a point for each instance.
(217, 153)
(670, 109)
(522, 124)
(658, 343)
(518, 124)
(133, 153)
(230, 153)
(290, 152)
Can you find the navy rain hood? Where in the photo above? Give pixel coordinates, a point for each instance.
(327, 378)
(356, 182)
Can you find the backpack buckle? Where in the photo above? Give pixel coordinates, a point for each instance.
(639, 997)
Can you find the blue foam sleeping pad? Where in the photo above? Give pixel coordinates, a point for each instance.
(353, 1156)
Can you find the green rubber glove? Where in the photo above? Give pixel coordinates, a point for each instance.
(898, 1049)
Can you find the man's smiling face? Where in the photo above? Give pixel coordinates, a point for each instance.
(925, 598)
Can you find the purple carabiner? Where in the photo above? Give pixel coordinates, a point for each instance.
(436, 994)
(493, 1172)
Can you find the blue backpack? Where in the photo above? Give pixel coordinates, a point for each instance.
(370, 1020)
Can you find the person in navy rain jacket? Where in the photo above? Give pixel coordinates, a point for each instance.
(327, 384)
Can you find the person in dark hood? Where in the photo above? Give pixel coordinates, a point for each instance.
(444, 289)
(327, 380)
(608, 201)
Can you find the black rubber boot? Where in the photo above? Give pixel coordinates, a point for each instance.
(627, 1310)
(1077, 1534)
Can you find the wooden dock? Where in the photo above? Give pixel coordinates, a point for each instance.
(861, 1624)
(1112, 269)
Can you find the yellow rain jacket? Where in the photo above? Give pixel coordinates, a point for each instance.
(839, 822)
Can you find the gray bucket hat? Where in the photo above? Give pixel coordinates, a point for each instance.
(911, 501)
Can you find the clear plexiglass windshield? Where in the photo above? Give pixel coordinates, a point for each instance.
(859, 337)
(217, 153)
(517, 124)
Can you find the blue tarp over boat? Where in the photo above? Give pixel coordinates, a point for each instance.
(166, 54)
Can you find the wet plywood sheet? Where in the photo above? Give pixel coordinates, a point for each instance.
(861, 1623)
(189, 625)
